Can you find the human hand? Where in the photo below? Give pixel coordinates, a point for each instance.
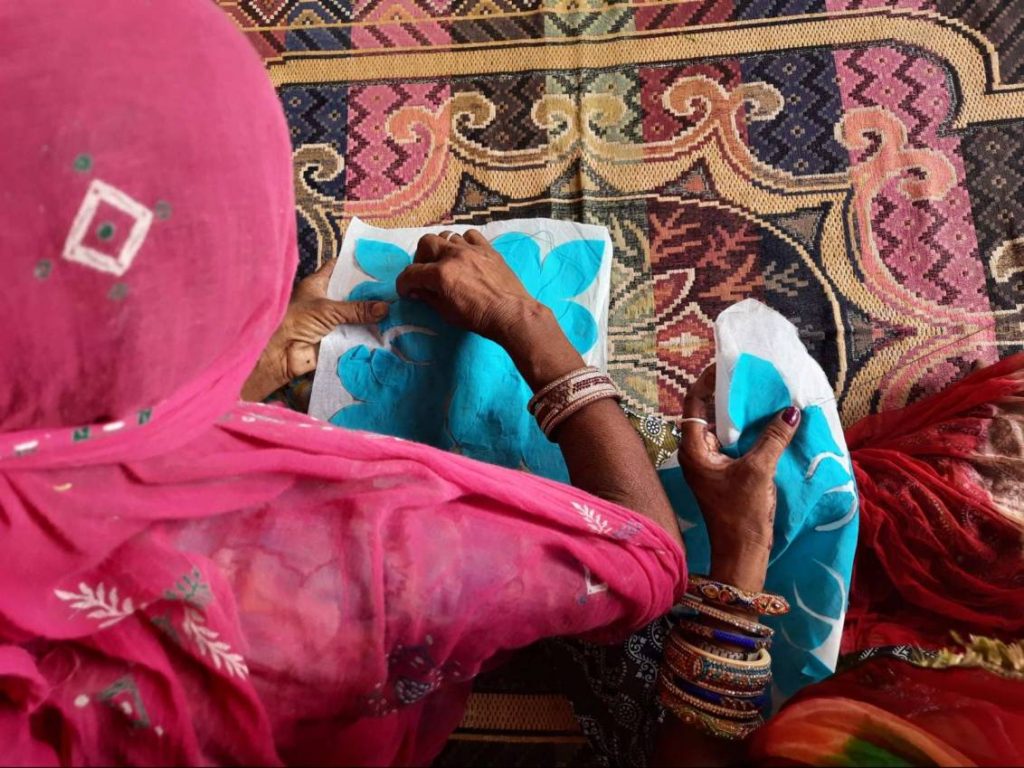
(292, 350)
(736, 496)
(469, 284)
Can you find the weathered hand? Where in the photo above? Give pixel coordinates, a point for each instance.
(292, 350)
(469, 284)
(736, 496)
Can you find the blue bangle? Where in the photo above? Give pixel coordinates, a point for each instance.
(750, 643)
(759, 701)
(699, 629)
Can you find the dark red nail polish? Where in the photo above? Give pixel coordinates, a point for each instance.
(791, 416)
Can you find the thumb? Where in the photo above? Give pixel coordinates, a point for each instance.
(775, 438)
(332, 313)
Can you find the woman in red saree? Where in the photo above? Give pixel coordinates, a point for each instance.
(940, 552)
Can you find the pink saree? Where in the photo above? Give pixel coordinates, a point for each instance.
(192, 580)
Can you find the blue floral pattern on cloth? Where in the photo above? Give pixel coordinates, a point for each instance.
(763, 368)
(815, 525)
(452, 389)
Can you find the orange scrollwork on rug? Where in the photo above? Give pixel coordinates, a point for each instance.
(574, 127)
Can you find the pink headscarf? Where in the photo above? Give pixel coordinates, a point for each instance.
(187, 579)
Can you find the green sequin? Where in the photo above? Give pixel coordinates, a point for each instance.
(80, 434)
(145, 415)
(83, 163)
(105, 231)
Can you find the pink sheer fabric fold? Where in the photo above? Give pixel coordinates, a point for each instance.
(191, 580)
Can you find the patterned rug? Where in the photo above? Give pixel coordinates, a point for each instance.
(856, 164)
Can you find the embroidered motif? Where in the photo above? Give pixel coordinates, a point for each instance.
(105, 607)
(209, 645)
(593, 519)
(102, 194)
(43, 269)
(412, 674)
(123, 695)
(191, 589)
(593, 587)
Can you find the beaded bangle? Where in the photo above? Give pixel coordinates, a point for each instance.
(745, 702)
(717, 650)
(711, 633)
(752, 694)
(761, 603)
(730, 730)
(750, 627)
(599, 391)
(683, 667)
(568, 394)
(531, 406)
(704, 706)
(694, 664)
(744, 711)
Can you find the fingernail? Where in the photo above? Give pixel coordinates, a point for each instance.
(379, 310)
(791, 416)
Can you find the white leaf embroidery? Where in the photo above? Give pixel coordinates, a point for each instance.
(597, 523)
(102, 606)
(208, 644)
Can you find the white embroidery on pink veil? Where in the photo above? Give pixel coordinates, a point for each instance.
(103, 606)
(597, 523)
(117, 263)
(106, 607)
(208, 643)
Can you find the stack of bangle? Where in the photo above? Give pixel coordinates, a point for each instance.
(716, 672)
(568, 394)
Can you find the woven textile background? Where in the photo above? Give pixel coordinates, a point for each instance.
(858, 165)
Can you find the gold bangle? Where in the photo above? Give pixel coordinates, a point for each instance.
(731, 730)
(725, 653)
(706, 706)
(762, 660)
(692, 666)
(752, 627)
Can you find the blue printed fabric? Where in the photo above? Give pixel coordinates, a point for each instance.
(455, 390)
(816, 518)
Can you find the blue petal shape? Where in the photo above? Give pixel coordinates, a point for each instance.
(453, 389)
(523, 257)
(809, 565)
(415, 346)
(569, 269)
(578, 324)
(381, 261)
(373, 291)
